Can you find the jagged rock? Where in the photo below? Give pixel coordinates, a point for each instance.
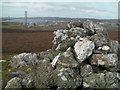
(102, 80)
(83, 49)
(99, 40)
(68, 78)
(14, 83)
(48, 54)
(75, 24)
(27, 82)
(65, 45)
(23, 59)
(65, 59)
(109, 61)
(43, 74)
(86, 70)
(88, 24)
(60, 35)
(114, 46)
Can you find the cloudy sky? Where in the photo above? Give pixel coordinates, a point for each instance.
(35, 8)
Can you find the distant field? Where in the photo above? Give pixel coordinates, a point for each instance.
(26, 42)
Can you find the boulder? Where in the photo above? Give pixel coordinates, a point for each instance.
(115, 46)
(14, 83)
(23, 59)
(74, 24)
(106, 80)
(27, 82)
(86, 70)
(68, 78)
(65, 59)
(109, 61)
(43, 74)
(99, 40)
(83, 49)
(88, 24)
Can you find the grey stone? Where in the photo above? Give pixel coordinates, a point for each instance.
(65, 59)
(68, 78)
(43, 74)
(88, 24)
(23, 59)
(14, 83)
(102, 80)
(86, 70)
(100, 40)
(109, 61)
(114, 46)
(64, 45)
(27, 82)
(83, 49)
(75, 24)
(47, 54)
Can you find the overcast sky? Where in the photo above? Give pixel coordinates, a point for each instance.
(101, 10)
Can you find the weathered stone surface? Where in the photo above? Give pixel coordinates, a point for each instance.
(109, 60)
(102, 80)
(48, 54)
(43, 74)
(23, 59)
(100, 40)
(75, 24)
(65, 45)
(88, 24)
(65, 59)
(114, 46)
(86, 70)
(68, 78)
(83, 49)
(27, 82)
(14, 83)
(59, 36)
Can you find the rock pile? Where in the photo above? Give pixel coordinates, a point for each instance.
(81, 57)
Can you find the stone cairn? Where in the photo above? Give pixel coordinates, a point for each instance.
(81, 57)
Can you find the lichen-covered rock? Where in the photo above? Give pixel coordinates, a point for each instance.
(14, 83)
(109, 61)
(65, 59)
(60, 35)
(64, 45)
(47, 54)
(75, 24)
(83, 49)
(114, 46)
(23, 59)
(68, 78)
(27, 82)
(43, 74)
(88, 24)
(100, 40)
(102, 80)
(86, 70)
